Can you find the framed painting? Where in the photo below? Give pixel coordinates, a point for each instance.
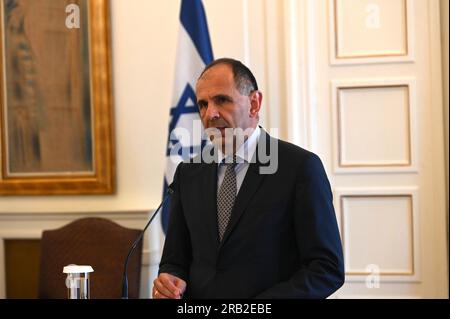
(56, 118)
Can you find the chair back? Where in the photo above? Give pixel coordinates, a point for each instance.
(98, 242)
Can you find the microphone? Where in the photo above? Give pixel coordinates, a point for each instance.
(136, 242)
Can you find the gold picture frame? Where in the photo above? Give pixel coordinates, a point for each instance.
(56, 112)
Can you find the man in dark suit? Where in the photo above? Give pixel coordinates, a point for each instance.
(242, 226)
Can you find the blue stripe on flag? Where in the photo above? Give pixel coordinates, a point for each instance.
(193, 18)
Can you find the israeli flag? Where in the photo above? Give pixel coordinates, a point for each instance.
(193, 54)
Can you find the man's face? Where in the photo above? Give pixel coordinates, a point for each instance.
(221, 104)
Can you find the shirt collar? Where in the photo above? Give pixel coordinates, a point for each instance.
(246, 151)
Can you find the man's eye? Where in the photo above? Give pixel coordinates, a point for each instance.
(221, 100)
(202, 105)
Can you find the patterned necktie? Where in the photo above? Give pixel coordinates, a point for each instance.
(225, 198)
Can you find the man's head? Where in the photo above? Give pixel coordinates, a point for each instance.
(228, 96)
(243, 78)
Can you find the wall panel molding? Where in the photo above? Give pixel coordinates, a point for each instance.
(375, 21)
(406, 139)
(368, 199)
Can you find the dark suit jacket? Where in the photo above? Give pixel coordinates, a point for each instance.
(282, 240)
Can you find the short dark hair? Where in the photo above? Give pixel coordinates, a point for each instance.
(243, 78)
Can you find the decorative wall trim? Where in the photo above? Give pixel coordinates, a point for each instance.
(343, 166)
(336, 58)
(382, 192)
(300, 39)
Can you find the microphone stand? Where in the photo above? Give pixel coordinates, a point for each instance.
(136, 242)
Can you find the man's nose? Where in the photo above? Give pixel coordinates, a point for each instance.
(212, 112)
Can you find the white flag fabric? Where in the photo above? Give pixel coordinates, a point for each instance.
(194, 52)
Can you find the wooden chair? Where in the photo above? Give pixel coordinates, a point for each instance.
(98, 242)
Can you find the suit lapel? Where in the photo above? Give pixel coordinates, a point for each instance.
(209, 190)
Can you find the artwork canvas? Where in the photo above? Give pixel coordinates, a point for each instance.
(56, 122)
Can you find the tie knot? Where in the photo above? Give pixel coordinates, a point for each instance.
(230, 160)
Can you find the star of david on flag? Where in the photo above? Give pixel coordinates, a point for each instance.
(194, 52)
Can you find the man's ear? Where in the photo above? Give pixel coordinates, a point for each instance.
(255, 103)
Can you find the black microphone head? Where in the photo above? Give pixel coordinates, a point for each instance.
(170, 190)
